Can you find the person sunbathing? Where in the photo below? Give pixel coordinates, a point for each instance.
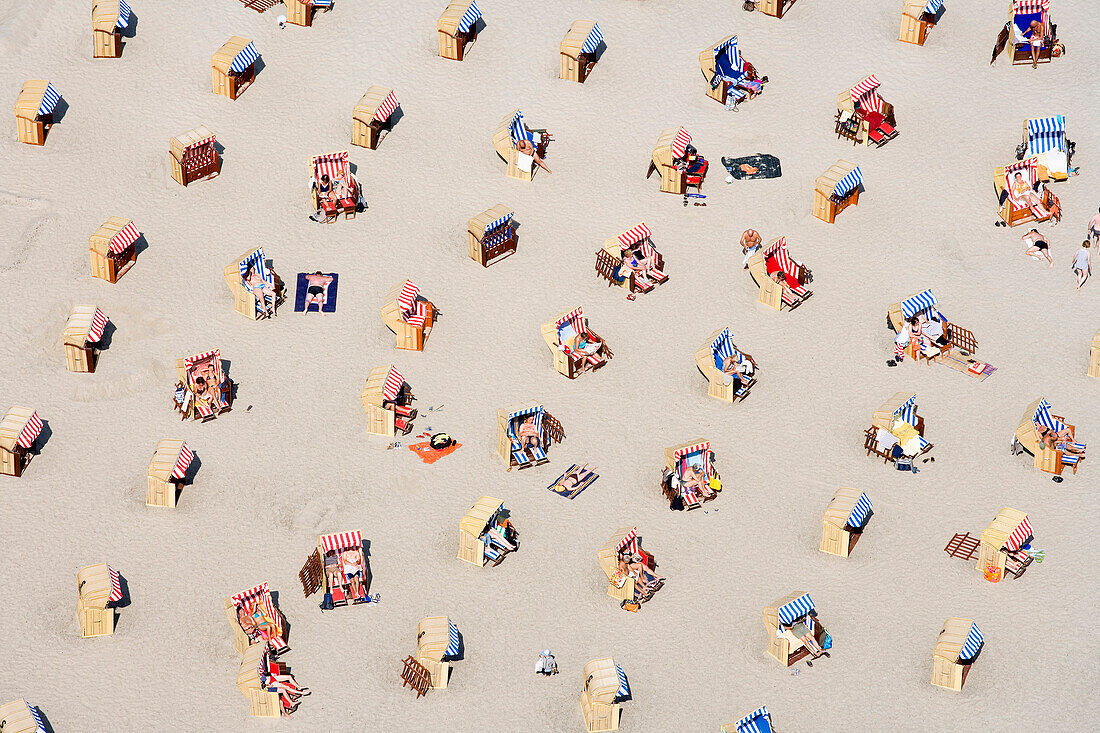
(204, 396)
(528, 434)
(255, 623)
(802, 632)
(646, 582)
(631, 262)
(351, 563)
(290, 694)
(528, 148)
(1036, 41)
(317, 282)
(735, 371)
(573, 479)
(1060, 440)
(694, 479)
(584, 344)
(1022, 191)
(258, 286)
(498, 535)
(1038, 247)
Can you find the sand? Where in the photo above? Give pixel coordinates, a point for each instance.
(299, 462)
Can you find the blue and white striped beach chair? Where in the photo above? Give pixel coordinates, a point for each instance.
(723, 349)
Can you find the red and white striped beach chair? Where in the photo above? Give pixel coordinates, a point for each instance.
(408, 315)
(337, 168)
(778, 259)
(570, 339)
(205, 399)
(266, 624)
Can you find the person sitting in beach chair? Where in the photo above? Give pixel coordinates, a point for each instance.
(523, 140)
(256, 623)
(1022, 193)
(529, 434)
(261, 287)
(802, 632)
(638, 565)
(334, 189)
(274, 677)
(203, 391)
(634, 261)
(737, 369)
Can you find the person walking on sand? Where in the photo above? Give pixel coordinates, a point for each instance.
(1082, 264)
(1093, 234)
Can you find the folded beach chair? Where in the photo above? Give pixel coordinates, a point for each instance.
(917, 19)
(1026, 438)
(775, 258)
(437, 641)
(234, 67)
(896, 422)
(577, 51)
(559, 332)
(836, 189)
(207, 365)
(335, 165)
(34, 111)
(19, 429)
(1013, 209)
(491, 235)
(109, 19)
(387, 398)
(797, 607)
(727, 74)
(166, 472)
(511, 130)
(709, 359)
(1004, 543)
(456, 27)
(83, 332)
(256, 600)
(408, 315)
(250, 302)
(958, 645)
(372, 116)
(1045, 139)
(301, 12)
(194, 156)
(509, 446)
(875, 116)
(19, 716)
(98, 587)
(603, 687)
(608, 260)
(843, 522)
(758, 721)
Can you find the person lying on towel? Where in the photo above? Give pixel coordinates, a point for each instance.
(573, 479)
(315, 292)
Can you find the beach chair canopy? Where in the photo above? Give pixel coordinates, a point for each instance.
(481, 515)
(406, 301)
(916, 8)
(1024, 12)
(1010, 529)
(728, 65)
(99, 585)
(110, 14)
(519, 130)
(865, 95)
(1045, 419)
(630, 541)
(171, 459)
(437, 638)
(386, 108)
(632, 236)
(19, 427)
(194, 148)
(758, 721)
(860, 511)
(193, 362)
(571, 324)
(515, 418)
(498, 222)
(680, 143)
(37, 98)
(330, 164)
(697, 454)
(20, 716)
(122, 241)
(469, 18)
(341, 541)
(593, 40)
(851, 180)
(973, 645)
(392, 387)
(605, 681)
(924, 302)
(242, 54)
(85, 325)
(1046, 133)
(453, 640)
(796, 609)
(624, 685)
(723, 348)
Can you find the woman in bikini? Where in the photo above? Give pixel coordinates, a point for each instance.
(257, 285)
(1022, 191)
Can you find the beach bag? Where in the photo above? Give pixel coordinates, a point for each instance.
(327, 604)
(715, 483)
(630, 606)
(827, 642)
